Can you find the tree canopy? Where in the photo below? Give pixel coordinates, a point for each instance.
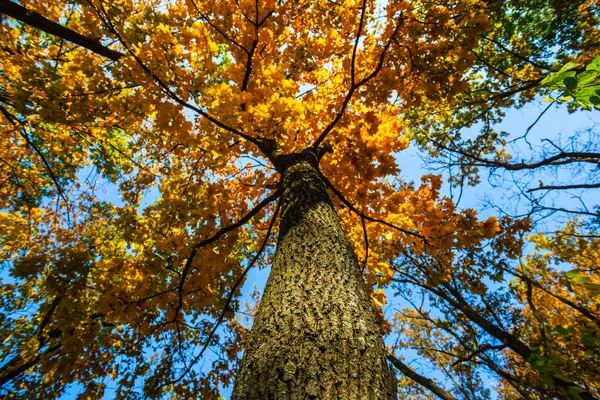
(140, 162)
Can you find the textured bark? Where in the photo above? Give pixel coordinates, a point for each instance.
(316, 334)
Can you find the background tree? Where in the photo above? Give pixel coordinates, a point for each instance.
(209, 120)
(574, 157)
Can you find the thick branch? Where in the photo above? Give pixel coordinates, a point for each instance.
(512, 380)
(246, 79)
(36, 20)
(420, 379)
(454, 298)
(46, 320)
(16, 366)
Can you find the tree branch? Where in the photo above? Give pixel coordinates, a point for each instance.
(368, 218)
(420, 379)
(565, 187)
(165, 88)
(216, 28)
(477, 352)
(36, 20)
(353, 85)
(14, 368)
(216, 236)
(229, 299)
(15, 121)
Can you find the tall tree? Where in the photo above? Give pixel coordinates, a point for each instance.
(210, 120)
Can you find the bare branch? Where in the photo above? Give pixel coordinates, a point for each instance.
(478, 352)
(565, 187)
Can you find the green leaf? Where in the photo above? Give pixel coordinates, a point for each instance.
(570, 82)
(555, 81)
(573, 392)
(584, 105)
(546, 80)
(563, 330)
(595, 100)
(587, 91)
(562, 377)
(581, 279)
(592, 286)
(548, 381)
(589, 341)
(569, 66)
(594, 65)
(586, 77)
(572, 273)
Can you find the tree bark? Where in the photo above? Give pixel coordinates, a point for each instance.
(316, 334)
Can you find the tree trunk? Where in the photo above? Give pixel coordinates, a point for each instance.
(316, 334)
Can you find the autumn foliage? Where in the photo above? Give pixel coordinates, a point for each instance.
(138, 189)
